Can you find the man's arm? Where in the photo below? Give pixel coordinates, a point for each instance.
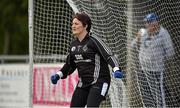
(168, 45)
(137, 41)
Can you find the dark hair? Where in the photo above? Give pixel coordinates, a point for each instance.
(84, 18)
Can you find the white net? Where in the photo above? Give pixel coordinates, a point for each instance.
(52, 30)
(51, 39)
(116, 22)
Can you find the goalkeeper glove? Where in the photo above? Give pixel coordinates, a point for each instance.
(117, 74)
(55, 78)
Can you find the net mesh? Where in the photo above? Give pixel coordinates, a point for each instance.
(52, 30)
(116, 22)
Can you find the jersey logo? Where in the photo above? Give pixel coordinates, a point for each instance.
(85, 48)
(73, 48)
(79, 47)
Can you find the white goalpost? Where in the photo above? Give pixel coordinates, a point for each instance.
(116, 22)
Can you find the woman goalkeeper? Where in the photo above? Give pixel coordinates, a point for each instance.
(91, 57)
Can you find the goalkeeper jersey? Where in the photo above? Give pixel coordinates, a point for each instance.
(90, 57)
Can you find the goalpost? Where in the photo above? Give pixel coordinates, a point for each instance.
(115, 22)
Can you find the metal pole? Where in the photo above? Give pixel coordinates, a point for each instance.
(30, 16)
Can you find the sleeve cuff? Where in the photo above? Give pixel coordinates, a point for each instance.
(60, 74)
(115, 69)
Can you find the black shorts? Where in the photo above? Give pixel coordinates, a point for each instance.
(91, 96)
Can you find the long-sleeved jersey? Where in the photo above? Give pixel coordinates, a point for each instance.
(90, 57)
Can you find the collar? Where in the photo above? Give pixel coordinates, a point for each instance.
(155, 33)
(85, 38)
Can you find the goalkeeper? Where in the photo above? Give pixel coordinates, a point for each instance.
(91, 57)
(155, 46)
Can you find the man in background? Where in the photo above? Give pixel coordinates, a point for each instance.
(154, 46)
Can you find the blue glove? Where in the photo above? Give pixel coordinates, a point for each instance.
(55, 78)
(117, 74)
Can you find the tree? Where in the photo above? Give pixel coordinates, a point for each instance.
(14, 27)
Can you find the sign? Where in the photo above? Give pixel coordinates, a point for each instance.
(14, 85)
(44, 92)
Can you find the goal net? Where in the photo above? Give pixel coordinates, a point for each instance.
(116, 22)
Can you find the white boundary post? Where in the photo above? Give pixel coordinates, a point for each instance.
(30, 23)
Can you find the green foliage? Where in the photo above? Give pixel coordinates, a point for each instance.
(14, 26)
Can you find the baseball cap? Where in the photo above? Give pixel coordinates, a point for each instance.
(151, 17)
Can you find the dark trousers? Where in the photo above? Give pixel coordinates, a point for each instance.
(91, 96)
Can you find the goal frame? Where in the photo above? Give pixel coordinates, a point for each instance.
(31, 57)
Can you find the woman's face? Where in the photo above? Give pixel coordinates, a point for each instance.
(77, 27)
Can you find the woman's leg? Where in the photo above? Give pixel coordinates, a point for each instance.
(79, 98)
(97, 94)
